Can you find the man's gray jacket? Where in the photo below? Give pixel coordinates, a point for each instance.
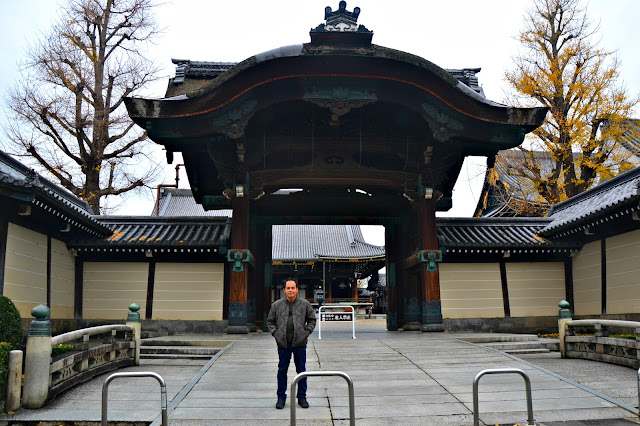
(304, 321)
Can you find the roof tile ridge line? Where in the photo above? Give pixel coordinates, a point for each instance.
(43, 183)
(608, 185)
(499, 220)
(369, 244)
(165, 204)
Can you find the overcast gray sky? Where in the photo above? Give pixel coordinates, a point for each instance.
(464, 33)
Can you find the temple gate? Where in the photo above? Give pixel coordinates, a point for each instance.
(335, 131)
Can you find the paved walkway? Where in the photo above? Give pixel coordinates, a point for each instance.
(399, 378)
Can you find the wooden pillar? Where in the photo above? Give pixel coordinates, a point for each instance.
(267, 244)
(391, 260)
(354, 290)
(431, 305)
(4, 232)
(239, 278)
(78, 288)
(409, 300)
(254, 282)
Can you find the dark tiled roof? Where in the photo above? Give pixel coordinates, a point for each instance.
(180, 202)
(155, 233)
(468, 77)
(620, 192)
(630, 138)
(312, 242)
(502, 187)
(48, 196)
(198, 69)
(186, 68)
(497, 233)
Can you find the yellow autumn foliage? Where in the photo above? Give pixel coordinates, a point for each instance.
(561, 66)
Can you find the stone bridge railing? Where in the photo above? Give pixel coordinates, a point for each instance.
(590, 339)
(96, 350)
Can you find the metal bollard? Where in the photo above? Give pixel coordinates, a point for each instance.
(639, 392)
(527, 383)
(163, 393)
(352, 408)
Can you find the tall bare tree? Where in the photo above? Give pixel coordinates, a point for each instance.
(562, 67)
(67, 111)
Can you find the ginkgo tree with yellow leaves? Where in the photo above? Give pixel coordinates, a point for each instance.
(66, 113)
(560, 65)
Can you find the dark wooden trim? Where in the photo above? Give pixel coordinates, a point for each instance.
(151, 282)
(226, 267)
(4, 234)
(49, 271)
(603, 262)
(78, 290)
(568, 282)
(505, 289)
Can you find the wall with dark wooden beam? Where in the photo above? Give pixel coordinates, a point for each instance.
(62, 280)
(110, 287)
(622, 272)
(587, 280)
(188, 291)
(25, 276)
(535, 288)
(471, 290)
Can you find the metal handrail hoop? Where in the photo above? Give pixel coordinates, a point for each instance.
(639, 392)
(163, 392)
(353, 318)
(352, 407)
(527, 383)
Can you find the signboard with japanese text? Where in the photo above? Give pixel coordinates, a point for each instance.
(336, 316)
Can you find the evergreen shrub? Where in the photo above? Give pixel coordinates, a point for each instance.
(10, 338)
(10, 323)
(5, 348)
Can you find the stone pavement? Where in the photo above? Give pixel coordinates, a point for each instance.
(399, 378)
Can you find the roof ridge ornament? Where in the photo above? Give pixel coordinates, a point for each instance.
(341, 19)
(341, 22)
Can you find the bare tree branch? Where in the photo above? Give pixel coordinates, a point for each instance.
(68, 112)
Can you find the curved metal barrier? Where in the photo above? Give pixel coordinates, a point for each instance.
(163, 392)
(352, 408)
(527, 382)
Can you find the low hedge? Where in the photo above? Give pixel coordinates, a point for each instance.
(10, 323)
(5, 348)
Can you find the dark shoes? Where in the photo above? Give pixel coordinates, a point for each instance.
(302, 402)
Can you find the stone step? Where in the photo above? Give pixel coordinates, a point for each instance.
(527, 351)
(173, 356)
(548, 344)
(179, 350)
(184, 342)
(490, 338)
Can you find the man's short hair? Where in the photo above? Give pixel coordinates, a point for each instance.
(291, 279)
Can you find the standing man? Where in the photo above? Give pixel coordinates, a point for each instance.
(290, 322)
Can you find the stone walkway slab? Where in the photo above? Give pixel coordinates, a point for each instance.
(400, 378)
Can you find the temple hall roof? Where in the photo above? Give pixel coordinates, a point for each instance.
(180, 202)
(603, 203)
(165, 234)
(22, 183)
(462, 235)
(314, 242)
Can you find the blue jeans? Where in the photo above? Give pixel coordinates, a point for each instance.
(300, 360)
